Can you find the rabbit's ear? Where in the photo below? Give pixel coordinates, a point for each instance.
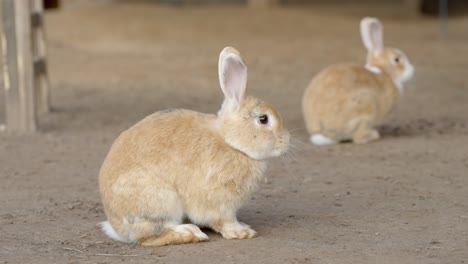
(232, 74)
(372, 34)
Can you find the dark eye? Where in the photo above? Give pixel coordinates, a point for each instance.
(397, 60)
(263, 119)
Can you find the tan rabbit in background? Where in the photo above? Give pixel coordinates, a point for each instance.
(181, 163)
(347, 101)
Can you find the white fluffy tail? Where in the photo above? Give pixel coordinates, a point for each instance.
(110, 231)
(321, 140)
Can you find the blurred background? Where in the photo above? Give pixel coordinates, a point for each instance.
(169, 31)
(423, 6)
(147, 42)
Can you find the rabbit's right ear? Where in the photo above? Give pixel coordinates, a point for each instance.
(232, 74)
(372, 34)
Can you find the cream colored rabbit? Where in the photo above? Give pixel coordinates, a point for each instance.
(184, 164)
(347, 101)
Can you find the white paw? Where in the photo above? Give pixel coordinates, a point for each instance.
(238, 231)
(321, 140)
(191, 229)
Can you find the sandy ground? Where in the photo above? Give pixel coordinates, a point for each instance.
(403, 199)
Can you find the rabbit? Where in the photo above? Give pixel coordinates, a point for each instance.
(347, 101)
(180, 164)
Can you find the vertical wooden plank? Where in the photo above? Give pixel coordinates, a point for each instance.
(413, 6)
(41, 81)
(18, 67)
(262, 3)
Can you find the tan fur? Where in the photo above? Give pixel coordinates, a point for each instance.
(347, 101)
(176, 164)
(171, 236)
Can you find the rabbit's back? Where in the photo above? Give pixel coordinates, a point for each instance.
(160, 139)
(342, 93)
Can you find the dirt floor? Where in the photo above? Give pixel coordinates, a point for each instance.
(403, 199)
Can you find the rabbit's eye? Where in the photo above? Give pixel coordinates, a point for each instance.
(263, 119)
(397, 60)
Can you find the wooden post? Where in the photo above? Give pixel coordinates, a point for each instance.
(25, 68)
(41, 81)
(262, 3)
(21, 115)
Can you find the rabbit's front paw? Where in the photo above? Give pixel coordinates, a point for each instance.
(238, 231)
(366, 136)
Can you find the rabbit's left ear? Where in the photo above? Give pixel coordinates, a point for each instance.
(372, 34)
(232, 75)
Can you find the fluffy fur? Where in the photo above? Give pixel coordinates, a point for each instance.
(184, 164)
(347, 101)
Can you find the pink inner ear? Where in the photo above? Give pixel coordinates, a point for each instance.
(235, 78)
(376, 36)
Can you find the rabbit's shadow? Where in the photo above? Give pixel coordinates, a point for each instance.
(423, 127)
